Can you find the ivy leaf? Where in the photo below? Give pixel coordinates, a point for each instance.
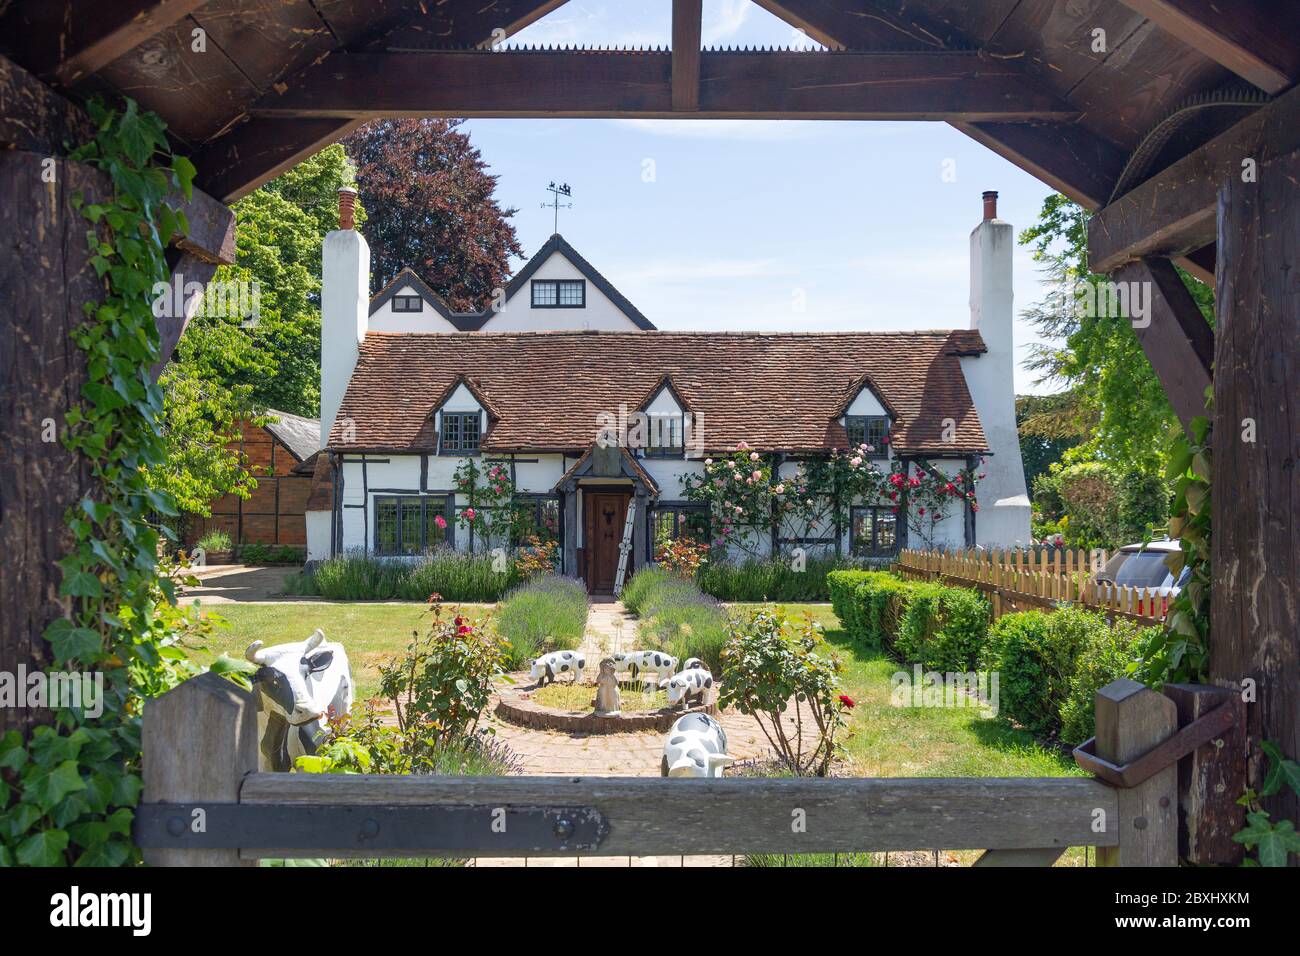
(12, 753)
(1271, 842)
(1281, 771)
(69, 642)
(111, 853)
(81, 584)
(49, 788)
(43, 849)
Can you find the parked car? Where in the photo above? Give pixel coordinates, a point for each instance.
(1143, 566)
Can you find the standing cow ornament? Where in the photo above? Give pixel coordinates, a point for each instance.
(651, 662)
(549, 666)
(696, 747)
(691, 686)
(299, 685)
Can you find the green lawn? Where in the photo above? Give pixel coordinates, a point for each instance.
(888, 741)
(369, 632)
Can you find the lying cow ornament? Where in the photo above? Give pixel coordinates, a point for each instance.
(548, 666)
(691, 686)
(696, 747)
(653, 662)
(298, 685)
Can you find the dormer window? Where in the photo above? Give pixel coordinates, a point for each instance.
(665, 439)
(871, 430)
(460, 433)
(408, 303)
(559, 293)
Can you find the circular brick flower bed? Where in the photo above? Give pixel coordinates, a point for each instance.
(516, 704)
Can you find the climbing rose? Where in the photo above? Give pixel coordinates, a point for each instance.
(757, 475)
(753, 456)
(780, 489)
(469, 514)
(855, 461)
(440, 521)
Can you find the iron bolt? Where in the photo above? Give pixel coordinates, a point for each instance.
(175, 826)
(563, 828)
(370, 828)
(1140, 823)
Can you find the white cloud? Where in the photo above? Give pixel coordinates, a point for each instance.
(728, 16)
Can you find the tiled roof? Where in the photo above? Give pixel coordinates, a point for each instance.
(778, 392)
(300, 435)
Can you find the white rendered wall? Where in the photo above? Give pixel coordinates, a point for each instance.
(518, 315)
(1003, 518)
(344, 310)
(384, 319)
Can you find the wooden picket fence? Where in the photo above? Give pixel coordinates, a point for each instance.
(1018, 580)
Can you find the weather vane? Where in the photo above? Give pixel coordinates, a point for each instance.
(559, 192)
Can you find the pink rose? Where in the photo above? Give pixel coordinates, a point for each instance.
(470, 514)
(440, 521)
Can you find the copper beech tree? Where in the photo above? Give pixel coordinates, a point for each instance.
(432, 208)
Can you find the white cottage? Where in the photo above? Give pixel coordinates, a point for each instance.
(590, 413)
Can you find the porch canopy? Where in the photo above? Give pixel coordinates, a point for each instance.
(1176, 120)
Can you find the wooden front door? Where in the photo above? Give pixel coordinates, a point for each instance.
(606, 515)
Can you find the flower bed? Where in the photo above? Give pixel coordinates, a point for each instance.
(548, 613)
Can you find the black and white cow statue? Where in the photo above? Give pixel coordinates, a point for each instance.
(691, 686)
(692, 663)
(696, 747)
(651, 662)
(299, 685)
(549, 666)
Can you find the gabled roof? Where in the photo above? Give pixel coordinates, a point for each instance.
(666, 382)
(463, 321)
(300, 435)
(630, 466)
(474, 321)
(864, 381)
(472, 389)
(776, 391)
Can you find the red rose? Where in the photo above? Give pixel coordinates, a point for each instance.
(847, 701)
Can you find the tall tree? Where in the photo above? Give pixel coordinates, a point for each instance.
(432, 208)
(1113, 394)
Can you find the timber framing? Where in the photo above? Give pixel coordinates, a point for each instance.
(1249, 37)
(686, 54)
(1173, 212)
(733, 84)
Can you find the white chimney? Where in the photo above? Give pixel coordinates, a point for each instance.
(344, 309)
(1003, 518)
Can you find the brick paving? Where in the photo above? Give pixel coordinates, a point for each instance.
(610, 629)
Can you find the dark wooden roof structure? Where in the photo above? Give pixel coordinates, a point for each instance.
(1176, 120)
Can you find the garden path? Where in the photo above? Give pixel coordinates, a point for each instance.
(609, 629)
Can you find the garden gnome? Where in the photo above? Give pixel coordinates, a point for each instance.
(607, 701)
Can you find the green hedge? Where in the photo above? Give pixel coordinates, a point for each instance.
(773, 580)
(361, 577)
(1050, 666)
(943, 628)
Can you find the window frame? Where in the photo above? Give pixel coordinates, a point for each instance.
(653, 450)
(401, 303)
(881, 447)
(874, 550)
(555, 285)
(682, 510)
(537, 501)
(426, 516)
(460, 418)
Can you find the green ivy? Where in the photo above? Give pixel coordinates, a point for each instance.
(1271, 842)
(1180, 653)
(67, 793)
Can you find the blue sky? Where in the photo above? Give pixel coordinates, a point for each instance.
(759, 224)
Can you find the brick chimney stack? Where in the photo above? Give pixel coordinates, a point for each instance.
(990, 204)
(348, 205)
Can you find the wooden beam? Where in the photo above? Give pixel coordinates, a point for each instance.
(1173, 212)
(1255, 615)
(67, 40)
(686, 54)
(1177, 340)
(741, 84)
(650, 815)
(1066, 156)
(1256, 39)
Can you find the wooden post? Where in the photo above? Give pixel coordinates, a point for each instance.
(45, 279)
(1255, 616)
(1210, 780)
(1131, 719)
(200, 741)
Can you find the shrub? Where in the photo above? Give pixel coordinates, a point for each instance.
(453, 575)
(1105, 657)
(440, 688)
(1143, 504)
(943, 628)
(270, 554)
(682, 556)
(546, 614)
(880, 604)
(774, 580)
(639, 585)
(214, 541)
(1036, 655)
(772, 663)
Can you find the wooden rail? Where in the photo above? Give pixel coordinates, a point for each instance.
(206, 804)
(1045, 578)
